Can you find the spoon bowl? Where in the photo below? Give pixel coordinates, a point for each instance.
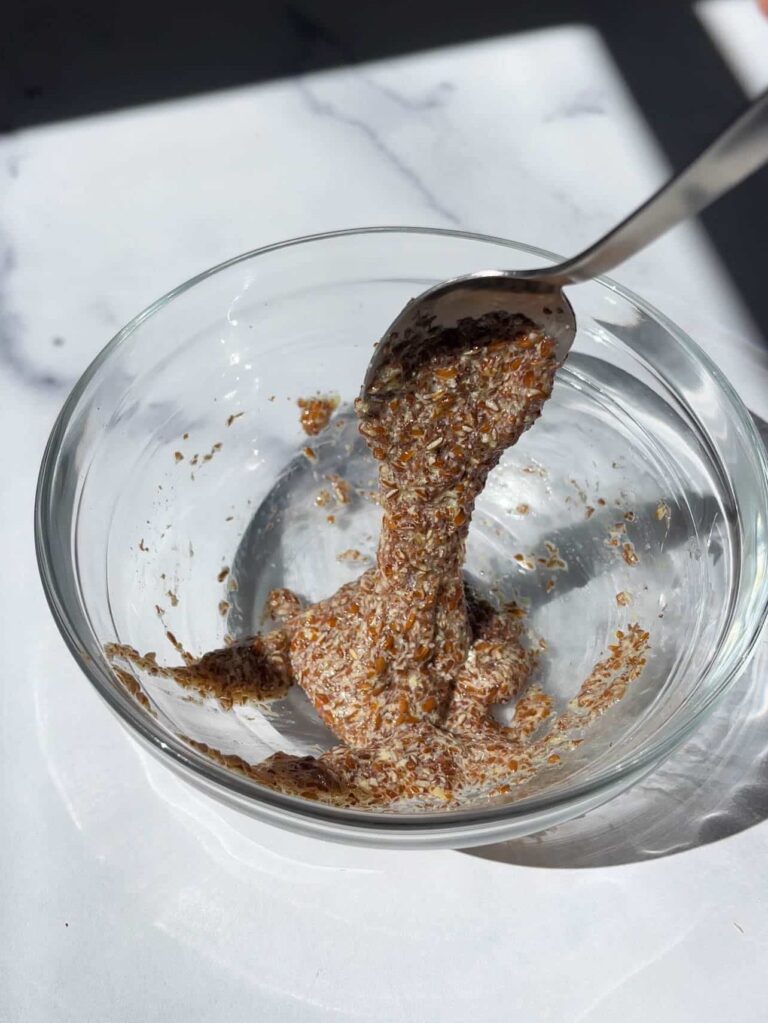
(472, 295)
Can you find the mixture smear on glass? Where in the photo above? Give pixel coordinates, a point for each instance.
(405, 664)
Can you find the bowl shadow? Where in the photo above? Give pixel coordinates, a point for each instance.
(713, 787)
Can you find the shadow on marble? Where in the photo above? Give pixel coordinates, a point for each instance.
(106, 57)
(715, 786)
(712, 788)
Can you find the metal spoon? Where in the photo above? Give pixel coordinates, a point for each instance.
(734, 155)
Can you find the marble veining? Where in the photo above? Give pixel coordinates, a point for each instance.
(14, 359)
(584, 105)
(433, 99)
(325, 108)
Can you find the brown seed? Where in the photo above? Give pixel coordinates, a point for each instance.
(316, 413)
(629, 554)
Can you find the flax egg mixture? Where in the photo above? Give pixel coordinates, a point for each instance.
(405, 664)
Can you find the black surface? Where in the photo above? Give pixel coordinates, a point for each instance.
(60, 61)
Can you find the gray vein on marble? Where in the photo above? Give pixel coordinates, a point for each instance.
(325, 108)
(12, 356)
(580, 105)
(432, 101)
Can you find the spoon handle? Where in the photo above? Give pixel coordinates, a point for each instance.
(735, 154)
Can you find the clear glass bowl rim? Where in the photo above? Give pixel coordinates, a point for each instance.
(276, 807)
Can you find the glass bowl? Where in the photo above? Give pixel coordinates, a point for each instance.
(179, 455)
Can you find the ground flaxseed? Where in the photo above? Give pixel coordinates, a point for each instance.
(405, 664)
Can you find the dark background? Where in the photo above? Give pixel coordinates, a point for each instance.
(61, 60)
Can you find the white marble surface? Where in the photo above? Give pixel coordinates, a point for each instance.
(127, 896)
(740, 31)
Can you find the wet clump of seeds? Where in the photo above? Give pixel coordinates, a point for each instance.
(405, 663)
(316, 413)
